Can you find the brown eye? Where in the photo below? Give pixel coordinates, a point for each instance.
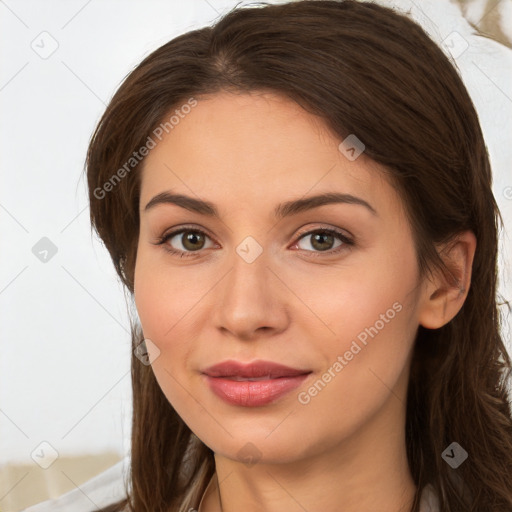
(184, 241)
(322, 240)
(192, 240)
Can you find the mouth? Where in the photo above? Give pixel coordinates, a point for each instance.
(257, 370)
(238, 378)
(252, 385)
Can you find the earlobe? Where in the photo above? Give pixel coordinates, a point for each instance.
(443, 295)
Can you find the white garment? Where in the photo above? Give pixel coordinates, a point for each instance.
(108, 487)
(102, 490)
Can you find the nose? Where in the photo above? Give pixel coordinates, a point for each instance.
(251, 301)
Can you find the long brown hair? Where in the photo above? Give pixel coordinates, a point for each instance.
(369, 71)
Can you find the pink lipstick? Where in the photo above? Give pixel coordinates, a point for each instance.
(254, 384)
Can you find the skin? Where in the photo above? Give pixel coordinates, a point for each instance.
(294, 304)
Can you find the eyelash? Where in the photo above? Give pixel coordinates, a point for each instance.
(347, 242)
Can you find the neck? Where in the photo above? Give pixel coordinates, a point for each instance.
(366, 472)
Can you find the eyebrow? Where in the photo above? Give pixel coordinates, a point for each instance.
(282, 210)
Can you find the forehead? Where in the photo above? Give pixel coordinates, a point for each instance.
(255, 148)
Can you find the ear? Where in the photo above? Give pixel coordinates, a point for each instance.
(443, 296)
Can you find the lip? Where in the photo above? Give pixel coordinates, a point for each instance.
(229, 381)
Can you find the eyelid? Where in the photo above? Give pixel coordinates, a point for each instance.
(338, 231)
(175, 231)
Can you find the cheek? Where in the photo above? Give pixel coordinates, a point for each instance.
(370, 312)
(159, 312)
(168, 302)
(364, 361)
(165, 297)
(347, 301)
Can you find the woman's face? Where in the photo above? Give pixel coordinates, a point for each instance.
(259, 286)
